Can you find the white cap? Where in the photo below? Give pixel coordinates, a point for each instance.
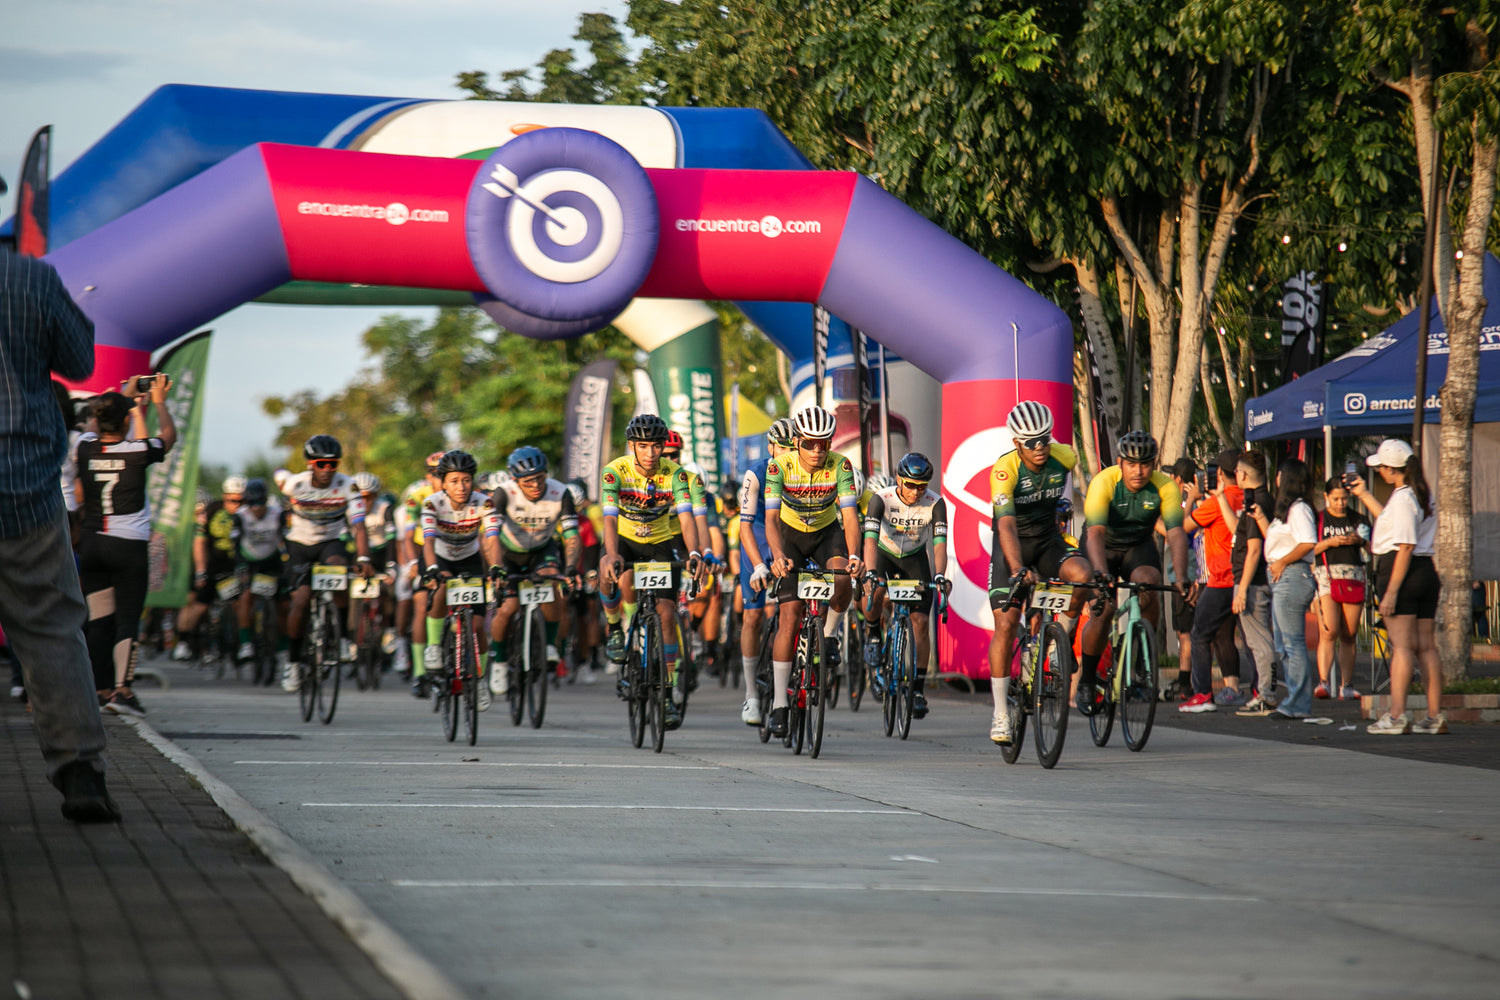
(1392, 454)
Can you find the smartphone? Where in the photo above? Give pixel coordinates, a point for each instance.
(143, 383)
(1202, 481)
(1351, 473)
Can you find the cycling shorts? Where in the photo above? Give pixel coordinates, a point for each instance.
(1123, 562)
(1043, 556)
(754, 599)
(913, 567)
(819, 546)
(468, 566)
(300, 557)
(668, 551)
(522, 563)
(217, 573)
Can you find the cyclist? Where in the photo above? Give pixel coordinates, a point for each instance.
(1027, 544)
(707, 511)
(754, 573)
(810, 515)
(645, 492)
(260, 552)
(321, 503)
(215, 542)
(411, 601)
(530, 510)
(1120, 512)
(380, 526)
(584, 620)
(900, 520)
(450, 526)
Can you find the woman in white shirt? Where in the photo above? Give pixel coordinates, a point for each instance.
(1289, 541)
(1407, 584)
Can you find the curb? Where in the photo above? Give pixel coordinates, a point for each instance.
(1457, 707)
(408, 970)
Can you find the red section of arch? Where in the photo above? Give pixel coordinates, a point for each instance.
(113, 365)
(373, 218)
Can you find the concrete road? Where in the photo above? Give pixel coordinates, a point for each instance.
(561, 862)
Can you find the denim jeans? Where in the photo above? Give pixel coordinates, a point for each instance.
(1290, 598)
(1255, 622)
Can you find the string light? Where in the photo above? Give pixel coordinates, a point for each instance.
(1343, 246)
(1458, 255)
(1286, 238)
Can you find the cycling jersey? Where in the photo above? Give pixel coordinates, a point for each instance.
(260, 537)
(320, 515)
(901, 529)
(809, 501)
(645, 505)
(409, 509)
(380, 521)
(454, 531)
(1031, 497)
(526, 525)
(752, 497)
(114, 485)
(1129, 518)
(221, 529)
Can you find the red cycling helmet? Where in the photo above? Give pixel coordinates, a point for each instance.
(673, 441)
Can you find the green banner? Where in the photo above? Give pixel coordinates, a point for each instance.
(686, 373)
(173, 482)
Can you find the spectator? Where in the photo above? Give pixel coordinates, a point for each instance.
(41, 606)
(1252, 593)
(1183, 472)
(112, 559)
(1480, 609)
(1339, 555)
(1406, 583)
(1212, 612)
(1290, 537)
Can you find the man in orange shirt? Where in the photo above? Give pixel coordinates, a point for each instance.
(1216, 599)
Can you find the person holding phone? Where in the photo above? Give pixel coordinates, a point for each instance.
(1252, 587)
(1339, 572)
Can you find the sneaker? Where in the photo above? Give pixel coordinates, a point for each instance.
(834, 657)
(1201, 702)
(484, 698)
(1348, 694)
(673, 717)
(432, 658)
(778, 722)
(1429, 726)
(1256, 706)
(919, 706)
(401, 659)
(245, 652)
(1321, 691)
(1228, 697)
(499, 680)
(126, 703)
(585, 674)
(552, 656)
(85, 799)
(1282, 713)
(182, 652)
(291, 673)
(614, 645)
(1387, 726)
(419, 688)
(750, 712)
(1000, 729)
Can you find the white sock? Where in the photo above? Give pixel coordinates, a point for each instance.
(834, 622)
(997, 688)
(782, 671)
(748, 662)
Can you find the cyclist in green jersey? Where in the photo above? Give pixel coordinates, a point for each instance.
(1028, 545)
(1124, 503)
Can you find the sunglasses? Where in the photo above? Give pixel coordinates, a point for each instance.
(1040, 441)
(907, 484)
(816, 444)
(325, 464)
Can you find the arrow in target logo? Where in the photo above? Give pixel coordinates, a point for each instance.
(506, 183)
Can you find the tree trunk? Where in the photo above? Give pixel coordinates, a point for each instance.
(1083, 437)
(1455, 535)
(1420, 88)
(1155, 280)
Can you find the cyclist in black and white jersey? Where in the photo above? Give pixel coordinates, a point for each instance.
(322, 504)
(754, 573)
(112, 560)
(260, 554)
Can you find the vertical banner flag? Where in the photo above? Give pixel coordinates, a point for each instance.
(1303, 313)
(173, 482)
(859, 346)
(586, 424)
(734, 431)
(821, 319)
(32, 196)
(685, 371)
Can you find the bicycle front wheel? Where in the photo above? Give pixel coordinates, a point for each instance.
(468, 677)
(536, 669)
(905, 666)
(1017, 698)
(882, 683)
(1138, 687)
(764, 689)
(449, 695)
(307, 689)
(822, 691)
(1054, 672)
(657, 691)
(330, 665)
(1102, 722)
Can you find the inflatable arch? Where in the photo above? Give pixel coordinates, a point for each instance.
(555, 233)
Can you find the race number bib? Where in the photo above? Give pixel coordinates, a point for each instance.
(228, 588)
(904, 591)
(330, 578)
(1052, 599)
(365, 590)
(653, 576)
(469, 591)
(535, 593)
(814, 586)
(263, 585)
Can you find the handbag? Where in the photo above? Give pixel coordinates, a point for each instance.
(1346, 589)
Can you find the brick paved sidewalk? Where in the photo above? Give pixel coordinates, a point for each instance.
(174, 902)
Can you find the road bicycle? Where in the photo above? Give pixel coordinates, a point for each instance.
(526, 644)
(859, 638)
(369, 631)
(765, 676)
(647, 691)
(1041, 670)
(456, 686)
(1129, 685)
(896, 676)
(218, 633)
(264, 625)
(807, 689)
(319, 687)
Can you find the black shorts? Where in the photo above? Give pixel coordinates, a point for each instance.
(468, 566)
(300, 557)
(382, 555)
(1044, 556)
(522, 563)
(913, 567)
(1419, 590)
(217, 573)
(1125, 561)
(1182, 615)
(803, 546)
(669, 551)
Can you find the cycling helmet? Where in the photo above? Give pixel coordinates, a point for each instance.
(203, 498)
(487, 482)
(1064, 508)
(256, 493)
(859, 483)
(324, 446)
(526, 461)
(915, 466)
(580, 494)
(781, 433)
(673, 441)
(1138, 446)
(456, 461)
(813, 422)
(234, 486)
(367, 482)
(879, 481)
(1029, 419)
(646, 427)
(432, 462)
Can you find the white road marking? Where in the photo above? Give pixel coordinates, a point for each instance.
(479, 763)
(913, 857)
(979, 890)
(599, 805)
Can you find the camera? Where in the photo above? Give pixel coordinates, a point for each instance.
(143, 383)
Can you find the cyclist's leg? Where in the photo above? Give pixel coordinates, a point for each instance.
(1002, 640)
(753, 609)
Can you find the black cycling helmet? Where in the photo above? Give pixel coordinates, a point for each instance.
(456, 461)
(256, 493)
(526, 461)
(324, 446)
(915, 466)
(646, 427)
(1138, 446)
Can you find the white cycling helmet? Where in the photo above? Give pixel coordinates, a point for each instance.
(367, 482)
(781, 433)
(234, 486)
(813, 422)
(1029, 419)
(859, 483)
(880, 481)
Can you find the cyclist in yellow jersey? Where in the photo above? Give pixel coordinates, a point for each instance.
(811, 515)
(411, 601)
(640, 495)
(1124, 503)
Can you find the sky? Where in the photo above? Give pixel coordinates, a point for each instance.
(82, 65)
